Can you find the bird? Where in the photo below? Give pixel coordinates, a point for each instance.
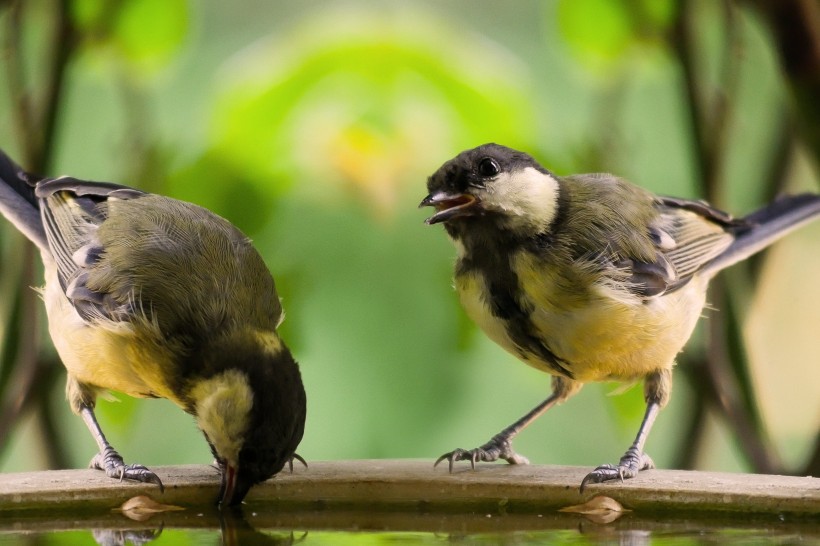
(159, 298)
(587, 277)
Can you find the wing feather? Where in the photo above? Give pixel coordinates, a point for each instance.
(71, 212)
(699, 232)
(685, 235)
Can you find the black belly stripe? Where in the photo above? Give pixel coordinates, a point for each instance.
(490, 256)
(503, 286)
(526, 341)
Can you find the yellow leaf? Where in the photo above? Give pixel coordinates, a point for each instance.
(142, 507)
(600, 509)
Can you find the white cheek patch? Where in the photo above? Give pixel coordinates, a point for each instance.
(529, 198)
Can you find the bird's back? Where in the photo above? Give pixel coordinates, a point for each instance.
(129, 276)
(222, 280)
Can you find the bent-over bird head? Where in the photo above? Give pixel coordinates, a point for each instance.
(252, 413)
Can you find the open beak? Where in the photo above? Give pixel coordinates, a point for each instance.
(448, 205)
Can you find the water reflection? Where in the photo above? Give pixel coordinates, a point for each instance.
(237, 531)
(234, 530)
(120, 537)
(265, 524)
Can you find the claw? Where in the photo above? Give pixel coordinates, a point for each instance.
(628, 467)
(499, 447)
(451, 457)
(298, 458)
(459, 454)
(110, 462)
(140, 473)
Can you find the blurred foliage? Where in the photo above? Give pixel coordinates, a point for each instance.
(313, 126)
(141, 34)
(602, 34)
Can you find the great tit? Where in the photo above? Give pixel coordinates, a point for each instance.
(587, 277)
(155, 297)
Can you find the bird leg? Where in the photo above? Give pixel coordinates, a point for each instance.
(109, 460)
(633, 461)
(656, 392)
(500, 445)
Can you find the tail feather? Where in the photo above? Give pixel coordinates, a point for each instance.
(18, 202)
(765, 226)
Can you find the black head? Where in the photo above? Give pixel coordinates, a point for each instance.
(252, 414)
(277, 423)
(495, 184)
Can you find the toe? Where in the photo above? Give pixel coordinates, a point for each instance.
(628, 467)
(472, 455)
(139, 473)
(601, 474)
(296, 457)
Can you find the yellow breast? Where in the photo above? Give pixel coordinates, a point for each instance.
(600, 332)
(108, 355)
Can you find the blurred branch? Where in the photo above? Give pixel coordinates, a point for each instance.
(782, 157)
(812, 467)
(63, 45)
(143, 160)
(35, 122)
(19, 351)
(775, 181)
(709, 115)
(719, 392)
(686, 458)
(50, 371)
(726, 382)
(733, 375)
(21, 112)
(795, 26)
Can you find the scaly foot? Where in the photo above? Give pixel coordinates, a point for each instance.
(499, 447)
(630, 464)
(112, 464)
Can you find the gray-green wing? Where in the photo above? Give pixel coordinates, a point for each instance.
(72, 211)
(691, 234)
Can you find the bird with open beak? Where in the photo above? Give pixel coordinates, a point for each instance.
(587, 277)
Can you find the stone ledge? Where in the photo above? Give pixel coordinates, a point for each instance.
(412, 485)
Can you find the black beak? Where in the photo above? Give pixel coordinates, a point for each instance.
(449, 205)
(234, 487)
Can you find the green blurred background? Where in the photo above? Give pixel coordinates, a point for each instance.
(313, 125)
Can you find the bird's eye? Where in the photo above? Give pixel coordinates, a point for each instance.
(488, 167)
